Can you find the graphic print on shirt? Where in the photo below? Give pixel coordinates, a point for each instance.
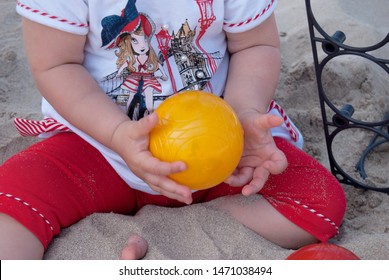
(141, 71)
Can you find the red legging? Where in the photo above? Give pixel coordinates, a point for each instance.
(62, 179)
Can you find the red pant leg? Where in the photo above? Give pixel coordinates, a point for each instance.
(306, 193)
(59, 181)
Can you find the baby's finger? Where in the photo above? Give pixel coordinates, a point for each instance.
(259, 179)
(171, 189)
(269, 121)
(276, 166)
(241, 177)
(146, 124)
(155, 166)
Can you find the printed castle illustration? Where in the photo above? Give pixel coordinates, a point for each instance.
(192, 64)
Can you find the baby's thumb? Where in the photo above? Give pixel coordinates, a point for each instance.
(269, 121)
(147, 123)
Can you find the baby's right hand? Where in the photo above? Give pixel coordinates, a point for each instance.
(131, 141)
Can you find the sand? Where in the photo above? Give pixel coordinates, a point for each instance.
(200, 231)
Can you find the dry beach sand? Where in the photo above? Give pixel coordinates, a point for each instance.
(200, 231)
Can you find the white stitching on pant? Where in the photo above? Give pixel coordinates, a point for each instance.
(318, 214)
(29, 206)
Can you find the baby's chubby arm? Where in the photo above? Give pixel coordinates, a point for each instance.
(252, 81)
(55, 58)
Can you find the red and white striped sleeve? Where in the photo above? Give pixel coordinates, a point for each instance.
(35, 128)
(69, 16)
(244, 15)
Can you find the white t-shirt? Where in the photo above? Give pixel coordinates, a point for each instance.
(181, 45)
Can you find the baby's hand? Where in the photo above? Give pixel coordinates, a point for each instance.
(261, 157)
(131, 141)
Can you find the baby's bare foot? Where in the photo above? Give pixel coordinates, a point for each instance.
(135, 249)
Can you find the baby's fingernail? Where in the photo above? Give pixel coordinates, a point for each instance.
(188, 200)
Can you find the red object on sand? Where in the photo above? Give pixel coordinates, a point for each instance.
(322, 251)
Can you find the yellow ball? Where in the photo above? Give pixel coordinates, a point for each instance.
(203, 131)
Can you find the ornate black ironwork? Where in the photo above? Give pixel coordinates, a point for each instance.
(334, 46)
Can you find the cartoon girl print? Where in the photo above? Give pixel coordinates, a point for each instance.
(137, 61)
(137, 83)
(140, 60)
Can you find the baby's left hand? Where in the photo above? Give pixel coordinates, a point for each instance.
(261, 157)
